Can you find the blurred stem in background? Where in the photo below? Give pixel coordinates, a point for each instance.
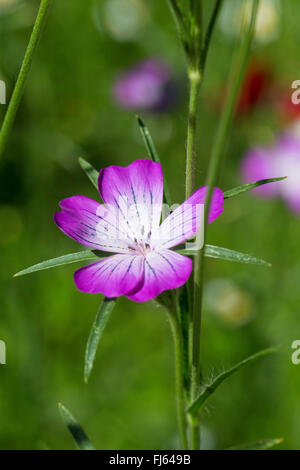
(24, 71)
(196, 45)
(237, 73)
(179, 376)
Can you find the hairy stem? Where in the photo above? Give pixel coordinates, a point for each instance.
(21, 80)
(235, 80)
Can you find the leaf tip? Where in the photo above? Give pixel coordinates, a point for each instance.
(139, 120)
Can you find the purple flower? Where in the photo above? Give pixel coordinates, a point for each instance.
(281, 159)
(128, 225)
(147, 86)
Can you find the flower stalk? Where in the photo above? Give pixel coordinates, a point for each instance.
(23, 74)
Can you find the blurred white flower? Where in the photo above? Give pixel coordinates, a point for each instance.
(267, 22)
(229, 302)
(7, 6)
(123, 19)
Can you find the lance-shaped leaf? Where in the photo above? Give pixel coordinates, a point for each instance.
(181, 24)
(208, 390)
(99, 324)
(218, 252)
(60, 261)
(246, 187)
(81, 440)
(263, 444)
(86, 255)
(153, 154)
(90, 171)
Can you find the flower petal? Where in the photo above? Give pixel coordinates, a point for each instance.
(92, 224)
(136, 191)
(113, 276)
(287, 155)
(187, 219)
(258, 164)
(164, 269)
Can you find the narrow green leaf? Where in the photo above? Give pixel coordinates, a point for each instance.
(246, 187)
(153, 154)
(99, 324)
(181, 23)
(208, 390)
(60, 261)
(211, 251)
(263, 444)
(81, 440)
(90, 171)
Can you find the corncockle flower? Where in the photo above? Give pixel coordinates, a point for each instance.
(281, 159)
(146, 86)
(128, 225)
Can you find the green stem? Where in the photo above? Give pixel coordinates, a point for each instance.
(25, 68)
(195, 83)
(179, 377)
(235, 80)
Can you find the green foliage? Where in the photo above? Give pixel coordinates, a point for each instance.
(152, 152)
(81, 440)
(246, 187)
(208, 390)
(99, 324)
(92, 255)
(87, 255)
(90, 171)
(263, 444)
(218, 252)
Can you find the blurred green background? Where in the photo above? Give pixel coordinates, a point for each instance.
(68, 111)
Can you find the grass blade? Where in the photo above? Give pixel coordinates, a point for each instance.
(211, 251)
(263, 444)
(60, 261)
(153, 154)
(81, 440)
(209, 389)
(90, 171)
(99, 324)
(246, 187)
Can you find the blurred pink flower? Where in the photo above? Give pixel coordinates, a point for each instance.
(148, 86)
(281, 159)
